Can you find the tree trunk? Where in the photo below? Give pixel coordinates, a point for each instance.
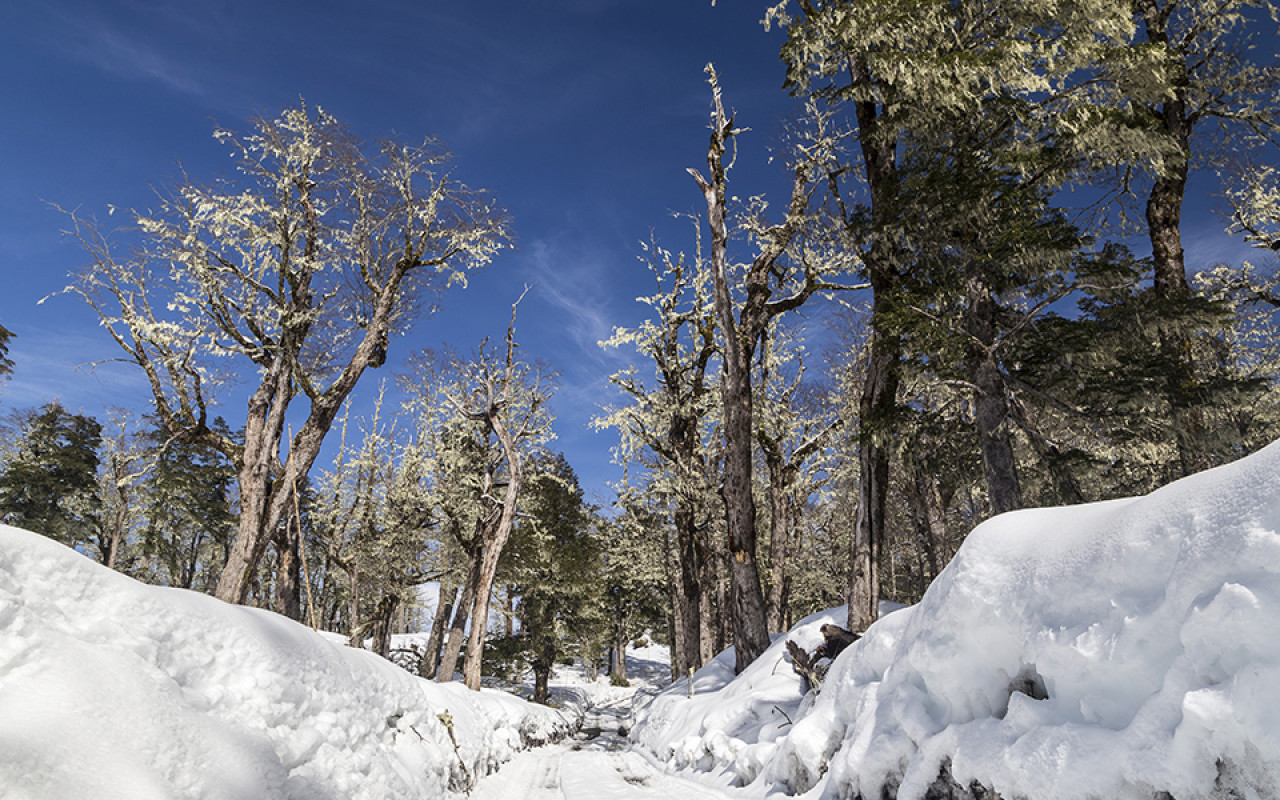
(682, 616)
(1169, 279)
(493, 544)
(430, 663)
(875, 407)
(380, 627)
(288, 599)
(689, 604)
(779, 543)
(991, 405)
(880, 386)
(618, 657)
(932, 522)
(462, 613)
(542, 665)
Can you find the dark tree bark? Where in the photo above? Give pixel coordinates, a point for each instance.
(288, 598)
(880, 384)
(991, 404)
(741, 326)
(618, 657)
(542, 665)
(381, 624)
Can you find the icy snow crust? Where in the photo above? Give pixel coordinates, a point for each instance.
(113, 689)
(1152, 624)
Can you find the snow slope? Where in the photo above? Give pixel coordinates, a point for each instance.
(1152, 625)
(113, 689)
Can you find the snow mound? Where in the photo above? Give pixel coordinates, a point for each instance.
(113, 689)
(1113, 650)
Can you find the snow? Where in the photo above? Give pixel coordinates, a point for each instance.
(113, 689)
(1118, 650)
(1152, 624)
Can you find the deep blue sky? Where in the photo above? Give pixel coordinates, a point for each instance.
(581, 115)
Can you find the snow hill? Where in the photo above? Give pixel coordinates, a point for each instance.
(113, 689)
(1150, 628)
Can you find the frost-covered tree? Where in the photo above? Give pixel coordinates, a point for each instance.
(376, 513)
(300, 271)
(795, 425)
(664, 425)
(794, 259)
(504, 401)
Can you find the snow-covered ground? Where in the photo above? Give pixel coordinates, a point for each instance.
(113, 689)
(1115, 651)
(1149, 628)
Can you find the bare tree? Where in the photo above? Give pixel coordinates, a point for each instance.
(302, 270)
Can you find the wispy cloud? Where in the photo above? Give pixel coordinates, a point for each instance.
(122, 48)
(77, 369)
(575, 280)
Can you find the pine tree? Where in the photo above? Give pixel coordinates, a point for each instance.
(6, 365)
(188, 510)
(553, 565)
(50, 484)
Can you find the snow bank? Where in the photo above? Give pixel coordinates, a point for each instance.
(1149, 628)
(113, 689)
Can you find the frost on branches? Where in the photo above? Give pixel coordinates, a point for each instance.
(304, 266)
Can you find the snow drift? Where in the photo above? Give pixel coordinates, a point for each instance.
(1112, 650)
(113, 689)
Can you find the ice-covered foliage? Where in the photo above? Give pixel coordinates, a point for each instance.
(113, 689)
(1117, 650)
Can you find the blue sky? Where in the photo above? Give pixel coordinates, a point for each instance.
(581, 115)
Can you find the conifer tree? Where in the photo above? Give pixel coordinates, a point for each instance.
(904, 68)
(632, 548)
(553, 564)
(1190, 66)
(6, 364)
(50, 483)
(188, 510)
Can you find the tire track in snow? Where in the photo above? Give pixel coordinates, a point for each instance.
(597, 764)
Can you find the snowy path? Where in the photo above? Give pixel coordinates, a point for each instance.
(597, 764)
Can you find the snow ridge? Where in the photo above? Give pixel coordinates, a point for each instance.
(1148, 628)
(113, 689)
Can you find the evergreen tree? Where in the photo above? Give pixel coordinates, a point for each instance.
(553, 565)
(6, 365)
(188, 510)
(50, 484)
(634, 580)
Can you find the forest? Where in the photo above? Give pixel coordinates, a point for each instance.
(970, 298)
